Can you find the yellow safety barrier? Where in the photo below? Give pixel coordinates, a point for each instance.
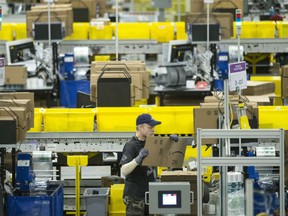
(69, 120)
(80, 32)
(273, 117)
(116, 206)
(162, 31)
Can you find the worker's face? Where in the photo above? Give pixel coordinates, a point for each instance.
(146, 130)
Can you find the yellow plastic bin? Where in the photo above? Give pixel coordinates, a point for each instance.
(6, 33)
(122, 119)
(178, 120)
(69, 120)
(266, 29)
(162, 31)
(19, 30)
(273, 117)
(80, 32)
(38, 118)
(100, 32)
(126, 31)
(282, 27)
(249, 29)
(181, 31)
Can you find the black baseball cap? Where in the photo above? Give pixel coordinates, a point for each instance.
(146, 119)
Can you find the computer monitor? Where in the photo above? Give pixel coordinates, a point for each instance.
(81, 15)
(170, 198)
(179, 50)
(19, 51)
(83, 100)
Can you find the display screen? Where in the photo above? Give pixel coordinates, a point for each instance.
(169, 199)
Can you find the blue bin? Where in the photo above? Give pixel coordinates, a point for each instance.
(69, 89)
(48, 202)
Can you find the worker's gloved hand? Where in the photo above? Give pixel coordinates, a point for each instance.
(142, 154)
(174, 137)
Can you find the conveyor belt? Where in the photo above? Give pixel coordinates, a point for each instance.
(76, 142)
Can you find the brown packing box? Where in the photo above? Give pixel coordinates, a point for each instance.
(284, 84)
(9, 118)
(20, 103)
(196, 6)
(107, 181)
(132, 67)
(189, 176)
(284, 71)
(21, 95)
(91, 5)
(20, 113)
(226, 4)
(165, 152)
(136, 80)
(259, 88)
(93, 94)
(207, 118)
(16, 75)
(224, 19)
(98, 66)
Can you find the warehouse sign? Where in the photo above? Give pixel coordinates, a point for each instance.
(237, 76)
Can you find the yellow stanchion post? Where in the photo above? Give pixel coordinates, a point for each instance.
(77, 161)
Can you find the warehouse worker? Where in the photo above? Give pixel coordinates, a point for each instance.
(137, 177)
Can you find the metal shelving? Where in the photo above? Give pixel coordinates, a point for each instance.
(240, 161)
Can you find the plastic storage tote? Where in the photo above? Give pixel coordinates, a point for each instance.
(43, 203)
(96, 201)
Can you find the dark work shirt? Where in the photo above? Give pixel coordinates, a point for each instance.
(136, 183)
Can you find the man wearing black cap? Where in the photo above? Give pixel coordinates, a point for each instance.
(137, 177)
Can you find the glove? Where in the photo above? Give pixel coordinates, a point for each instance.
(142, 154)
(174, 137)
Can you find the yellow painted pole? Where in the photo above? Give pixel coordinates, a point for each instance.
(77, 161)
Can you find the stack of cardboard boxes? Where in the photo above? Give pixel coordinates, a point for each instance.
(221, 12)
(136, 69)
(59, 13)
(96, 8)
(16, 116)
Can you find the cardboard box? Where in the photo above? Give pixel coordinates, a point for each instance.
(93, 94)
(285, 71)
(21, 95)
(258, 88)
(207, 118)
(59, 13)
(107, 181)
(20, 103)
(226, 4)
(224, 19)
(15, 75)
(132, 67)
(196, 6)
(8, 130)
(20, 114)
(165, 152)
(136, 80)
